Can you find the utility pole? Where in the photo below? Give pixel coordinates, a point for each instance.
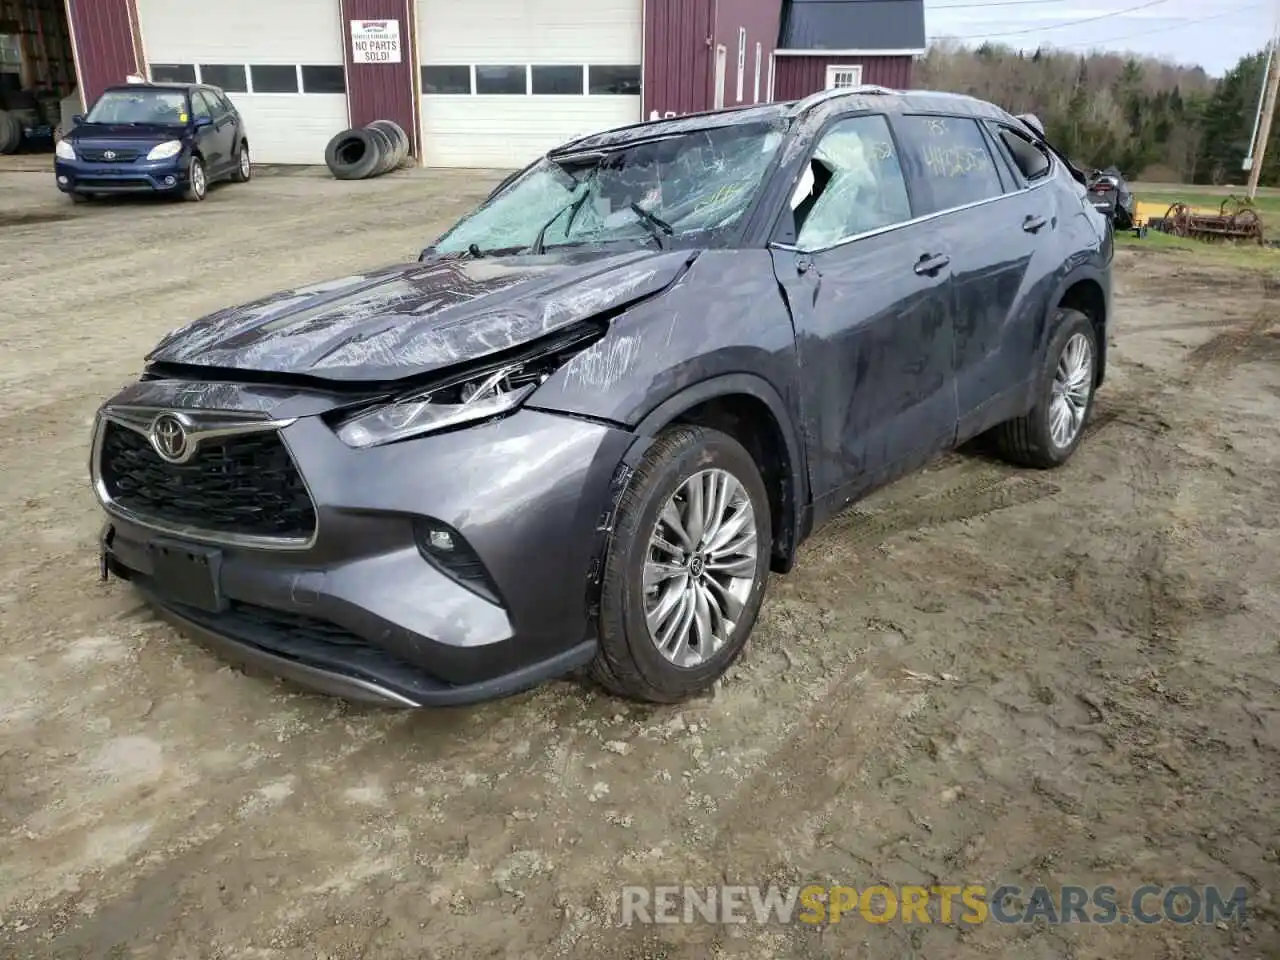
(1259, 153)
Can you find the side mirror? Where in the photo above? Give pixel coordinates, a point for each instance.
(77, 119)
(203, 122)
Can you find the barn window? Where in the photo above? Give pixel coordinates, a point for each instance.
(841, 76)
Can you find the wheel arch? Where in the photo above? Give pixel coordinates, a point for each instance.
(748, 408)
(1085, 290)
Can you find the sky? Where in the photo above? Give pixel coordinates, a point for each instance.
(1212, 33)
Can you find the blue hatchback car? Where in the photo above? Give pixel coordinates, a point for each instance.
(167, 138)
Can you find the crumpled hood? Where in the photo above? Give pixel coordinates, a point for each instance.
(417, 318)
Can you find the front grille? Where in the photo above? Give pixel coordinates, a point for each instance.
(245, 484)
(113, 183)
(279, 623)
(97, 156)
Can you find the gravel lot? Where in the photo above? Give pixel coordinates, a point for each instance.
(978, 675)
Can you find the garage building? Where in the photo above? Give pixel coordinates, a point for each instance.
(475, 83)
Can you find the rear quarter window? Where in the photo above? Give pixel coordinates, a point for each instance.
(1031, 159)
(948, 161)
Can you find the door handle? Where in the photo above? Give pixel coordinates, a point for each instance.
(1033, 224)
(930, 263)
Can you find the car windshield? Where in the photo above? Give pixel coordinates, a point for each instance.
(677, 187)
(140, 105)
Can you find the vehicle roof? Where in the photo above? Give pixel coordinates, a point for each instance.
(856, 98)
(163, 85)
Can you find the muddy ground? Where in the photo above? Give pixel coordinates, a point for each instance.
(978, 675)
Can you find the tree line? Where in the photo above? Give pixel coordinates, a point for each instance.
(1153, 119)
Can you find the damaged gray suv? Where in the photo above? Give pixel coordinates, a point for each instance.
(585, 425)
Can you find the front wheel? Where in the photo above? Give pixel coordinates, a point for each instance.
(197, 182)
(686, 568)
(1049, 434)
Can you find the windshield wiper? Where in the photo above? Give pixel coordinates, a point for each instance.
(572, 207)
(656, 226)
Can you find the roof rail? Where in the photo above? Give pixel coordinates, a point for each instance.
(822, 96)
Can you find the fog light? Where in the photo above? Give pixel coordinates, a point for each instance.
(62, 179)
(170, 181)
(446, 550)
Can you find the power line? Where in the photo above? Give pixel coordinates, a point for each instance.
(1176, 26)
(1059, 26)
(992, 3)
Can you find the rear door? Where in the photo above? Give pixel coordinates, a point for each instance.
(992, 226)
(870, 298)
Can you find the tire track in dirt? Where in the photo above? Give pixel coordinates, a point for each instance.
(1216, 357)
(988, 489)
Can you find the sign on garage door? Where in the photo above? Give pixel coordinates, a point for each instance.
(375, 41)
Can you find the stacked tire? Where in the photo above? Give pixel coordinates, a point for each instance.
(10, 132)
(368, 151)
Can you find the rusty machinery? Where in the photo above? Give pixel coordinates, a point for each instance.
(1236, 219)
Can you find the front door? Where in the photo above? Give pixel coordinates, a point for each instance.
(870, 299)
(216, 139)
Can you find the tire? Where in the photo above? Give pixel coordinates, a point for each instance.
(386, 151)
(352, 155)
(1029, 441)
(399, 139)
(244, 165)
(197, 181)
(629, 662)
(80, 197)
(10, 133)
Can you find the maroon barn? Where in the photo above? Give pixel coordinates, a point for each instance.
(845, 43)
(703, 54)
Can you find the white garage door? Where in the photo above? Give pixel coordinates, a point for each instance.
(504, 81)
(279, 62)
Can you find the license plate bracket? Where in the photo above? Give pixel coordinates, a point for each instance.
(187, 574)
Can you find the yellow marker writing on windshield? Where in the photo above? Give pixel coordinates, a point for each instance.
(182, 118)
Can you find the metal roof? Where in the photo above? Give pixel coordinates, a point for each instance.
(863, 26)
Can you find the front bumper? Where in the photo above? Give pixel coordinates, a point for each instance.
(139, 176)
(357, 611)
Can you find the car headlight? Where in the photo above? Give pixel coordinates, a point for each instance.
(163, 151)
(489, 394)
(64, 150)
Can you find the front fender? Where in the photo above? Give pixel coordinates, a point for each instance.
(725, 315)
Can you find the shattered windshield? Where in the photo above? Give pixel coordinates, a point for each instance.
(677, 187)
(140, 105)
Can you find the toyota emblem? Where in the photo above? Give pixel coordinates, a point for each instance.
(169, 438)
(109, 155)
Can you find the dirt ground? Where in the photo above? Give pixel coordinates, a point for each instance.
(978, 675)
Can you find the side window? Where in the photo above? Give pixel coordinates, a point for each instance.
(200, 106)
(1027, 155)
(949, 157)
(853, 184)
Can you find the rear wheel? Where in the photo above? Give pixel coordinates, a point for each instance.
(1049, 434)
(244, 165)
(197, 183)
(686, 568)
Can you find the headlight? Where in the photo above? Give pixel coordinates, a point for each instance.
(163, 151)
(486, 395)
(64, 150)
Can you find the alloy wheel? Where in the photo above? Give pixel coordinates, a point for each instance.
(700, 567)
(197, 179)
(244, 162)
(1072, 387)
